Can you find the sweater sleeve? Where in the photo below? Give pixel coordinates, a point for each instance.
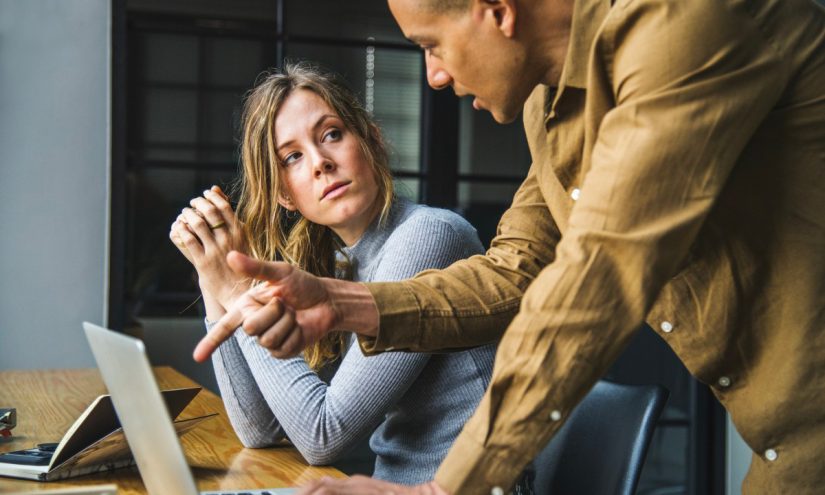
(324, 420)
(246, 407)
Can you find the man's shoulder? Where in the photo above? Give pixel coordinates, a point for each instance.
(627, 14)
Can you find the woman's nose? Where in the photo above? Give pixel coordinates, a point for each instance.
(324, 166)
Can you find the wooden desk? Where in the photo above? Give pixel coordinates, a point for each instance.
(49, 401)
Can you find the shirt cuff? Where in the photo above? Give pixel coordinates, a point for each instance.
(399, 318)
(470, 467)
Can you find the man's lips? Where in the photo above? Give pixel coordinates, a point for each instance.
(333, 187)
(476, 102)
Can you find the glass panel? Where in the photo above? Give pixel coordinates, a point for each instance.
(472, 194)
(386, 80)
(665, 469)
(161, 153)
(482, 205)
(218, 156)
(159, 280)
(192, 156)
(408, 188)
(169, 116)
(221, 117)
(336, 19)
(168, 58)
(194, 123)
(393, 95)
(489, 148)
(235, 62)
(257, 10)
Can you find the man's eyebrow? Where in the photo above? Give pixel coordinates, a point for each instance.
(318, 123)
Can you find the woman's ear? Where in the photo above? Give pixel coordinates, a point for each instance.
(285, 201)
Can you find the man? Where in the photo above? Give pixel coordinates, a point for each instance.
(678, 177)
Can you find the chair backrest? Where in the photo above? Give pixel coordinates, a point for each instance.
(601, 448)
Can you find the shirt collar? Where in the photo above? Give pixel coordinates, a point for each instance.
(588, 16)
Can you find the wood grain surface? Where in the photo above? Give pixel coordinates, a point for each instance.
(49, 401)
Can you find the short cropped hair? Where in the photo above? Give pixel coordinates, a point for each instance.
(445, 6)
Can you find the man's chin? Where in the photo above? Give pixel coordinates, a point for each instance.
(502, 117)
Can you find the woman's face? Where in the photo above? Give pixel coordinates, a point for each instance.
(325, 174)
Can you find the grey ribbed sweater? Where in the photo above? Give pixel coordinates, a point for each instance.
(413, 404)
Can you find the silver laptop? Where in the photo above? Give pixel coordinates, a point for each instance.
(128, 376)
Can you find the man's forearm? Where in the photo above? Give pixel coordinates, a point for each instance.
(471, 302)
(354, 306)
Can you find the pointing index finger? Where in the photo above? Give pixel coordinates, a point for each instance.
(218, 334)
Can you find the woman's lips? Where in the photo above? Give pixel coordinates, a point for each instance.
(335, 190)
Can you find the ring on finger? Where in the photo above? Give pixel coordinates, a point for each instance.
(218, 225)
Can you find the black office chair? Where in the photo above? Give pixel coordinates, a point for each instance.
(601, 448)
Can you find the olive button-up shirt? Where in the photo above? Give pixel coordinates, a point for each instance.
(679, 177)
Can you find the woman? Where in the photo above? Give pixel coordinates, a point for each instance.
(317, 192)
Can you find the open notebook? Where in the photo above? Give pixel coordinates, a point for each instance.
(94, 443)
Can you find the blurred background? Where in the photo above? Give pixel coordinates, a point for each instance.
(114, 113)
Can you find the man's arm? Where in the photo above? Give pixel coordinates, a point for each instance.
(471, 302)
(690, 82)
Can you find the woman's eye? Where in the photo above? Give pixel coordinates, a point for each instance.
(291, 158)
(332, 135)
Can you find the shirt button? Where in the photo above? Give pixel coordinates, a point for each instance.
(555, 415)
(497, 490)
(724, 381)
(770, 455)
(575, 193)
(666, 326)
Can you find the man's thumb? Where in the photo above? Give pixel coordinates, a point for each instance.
(257, 269)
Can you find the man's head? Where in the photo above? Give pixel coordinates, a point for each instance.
(485, 48)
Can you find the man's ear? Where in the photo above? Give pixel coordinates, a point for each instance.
(285, 201)
(502, 13)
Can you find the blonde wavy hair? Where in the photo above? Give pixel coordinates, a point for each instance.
(269, 233)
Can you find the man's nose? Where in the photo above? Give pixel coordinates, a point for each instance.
(437, 76)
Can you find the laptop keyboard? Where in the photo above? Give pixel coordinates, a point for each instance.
(267, 491)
